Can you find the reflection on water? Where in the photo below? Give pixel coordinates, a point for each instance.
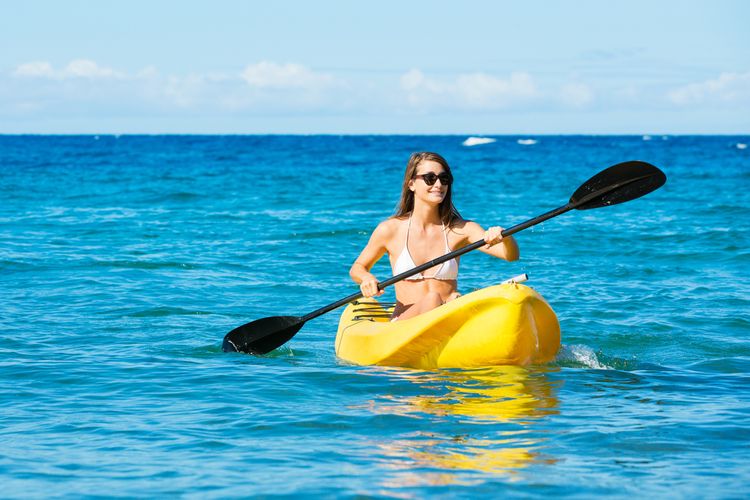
(476, 422)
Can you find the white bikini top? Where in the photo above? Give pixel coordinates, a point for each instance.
(447, 270)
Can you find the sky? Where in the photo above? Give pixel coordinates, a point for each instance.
(386, 67)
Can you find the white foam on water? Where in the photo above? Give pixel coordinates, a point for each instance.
(646, 137)
(476, 141)
(741, 145)
(580, 354)
(527, 142)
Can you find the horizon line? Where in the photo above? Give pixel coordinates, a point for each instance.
(365, 134)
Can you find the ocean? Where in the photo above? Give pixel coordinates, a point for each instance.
(124, 260)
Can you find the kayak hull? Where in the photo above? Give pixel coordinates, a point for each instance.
(508, 324)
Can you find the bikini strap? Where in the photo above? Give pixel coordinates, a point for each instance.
(408, 227)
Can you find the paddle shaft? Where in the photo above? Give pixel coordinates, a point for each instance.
(439, 260)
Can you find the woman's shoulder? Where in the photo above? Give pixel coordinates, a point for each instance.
(389, 226)
(395, 221)
(465, 227)
(459, 224)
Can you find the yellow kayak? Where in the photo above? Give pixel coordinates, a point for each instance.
(508, 324)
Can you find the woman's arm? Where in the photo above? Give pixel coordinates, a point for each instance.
(375, 249)
(504, 248)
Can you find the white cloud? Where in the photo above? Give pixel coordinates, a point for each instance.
(182, 92)
(422, 92)
(727, 88)
(264, 87)
(78, 68)
(35, 69)
(282, 89)
(412, 79)
(481, 90)
(468, 90)
(576, 95)
(84, 68)
(149, 72)
(271, 75)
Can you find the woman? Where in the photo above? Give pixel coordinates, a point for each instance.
(426, 226)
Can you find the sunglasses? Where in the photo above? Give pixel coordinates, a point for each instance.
(430, 178)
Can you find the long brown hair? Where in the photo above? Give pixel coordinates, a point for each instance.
(448, 213)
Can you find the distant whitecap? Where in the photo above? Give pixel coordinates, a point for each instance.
(741, 145)
(527, 142)
(646, 137)
(476, 141)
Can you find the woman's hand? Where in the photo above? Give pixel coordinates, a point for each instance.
(493, 236)
(369, 286)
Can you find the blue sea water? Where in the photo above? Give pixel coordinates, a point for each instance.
(124, 261)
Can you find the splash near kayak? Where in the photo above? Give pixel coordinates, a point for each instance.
(507, 324)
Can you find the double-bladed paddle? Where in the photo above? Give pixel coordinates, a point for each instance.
(617, 184)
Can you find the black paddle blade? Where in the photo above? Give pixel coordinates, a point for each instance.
(618, 184)
(262, 335)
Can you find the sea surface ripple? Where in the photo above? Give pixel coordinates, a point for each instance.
(125, 259)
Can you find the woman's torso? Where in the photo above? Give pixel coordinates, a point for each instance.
(423, 246)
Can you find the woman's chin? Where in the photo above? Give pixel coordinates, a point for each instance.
(432, 200)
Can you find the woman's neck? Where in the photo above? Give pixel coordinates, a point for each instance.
(425, 214)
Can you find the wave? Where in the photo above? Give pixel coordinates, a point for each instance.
(166, 311)
(527, 142)
(134, 264)
(579, 355)
(476, 141)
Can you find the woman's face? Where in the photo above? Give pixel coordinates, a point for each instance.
(435, 193)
